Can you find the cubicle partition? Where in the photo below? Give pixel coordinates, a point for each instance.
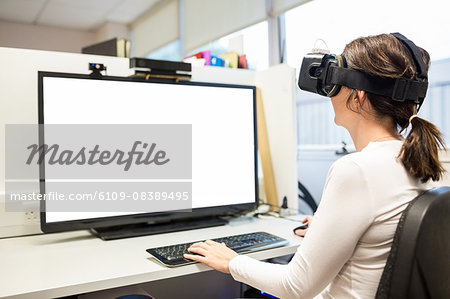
(19, 105)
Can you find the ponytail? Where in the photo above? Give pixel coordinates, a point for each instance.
(420, 151)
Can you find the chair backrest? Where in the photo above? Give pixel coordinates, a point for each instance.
(418, 265)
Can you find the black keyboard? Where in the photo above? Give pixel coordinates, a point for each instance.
(172, 256)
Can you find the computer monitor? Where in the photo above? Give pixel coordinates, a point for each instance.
(223, 166)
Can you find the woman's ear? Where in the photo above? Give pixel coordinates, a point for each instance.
(363, 104)
(361, 98)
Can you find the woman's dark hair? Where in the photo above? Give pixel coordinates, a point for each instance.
(383, 55)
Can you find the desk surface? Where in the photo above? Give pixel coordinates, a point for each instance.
(63, 264)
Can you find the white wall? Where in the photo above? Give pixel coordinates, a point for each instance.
(445, 158)
(277, 86)
(17, 35)
(37, 37)
(111, 30)
(18, 104)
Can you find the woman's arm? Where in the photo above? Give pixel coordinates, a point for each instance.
(344, 214)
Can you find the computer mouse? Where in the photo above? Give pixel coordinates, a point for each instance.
(303, 226)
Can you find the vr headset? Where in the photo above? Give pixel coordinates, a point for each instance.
(324, 74)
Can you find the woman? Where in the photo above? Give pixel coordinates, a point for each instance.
(346, 247)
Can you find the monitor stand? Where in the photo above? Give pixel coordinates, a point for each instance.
(143, 229)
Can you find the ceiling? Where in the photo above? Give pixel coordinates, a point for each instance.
(73, 14)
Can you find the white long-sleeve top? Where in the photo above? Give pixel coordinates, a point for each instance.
(345, 249)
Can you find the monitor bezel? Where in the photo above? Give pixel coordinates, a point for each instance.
(158, 217)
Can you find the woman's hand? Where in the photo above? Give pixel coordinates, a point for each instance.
(302, 232)
(213, 254)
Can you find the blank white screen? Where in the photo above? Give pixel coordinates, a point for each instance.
(223, 166)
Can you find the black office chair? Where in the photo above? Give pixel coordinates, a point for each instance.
(418, 265)
(303, 194)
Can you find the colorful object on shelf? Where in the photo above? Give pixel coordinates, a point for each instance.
(197, 55)
(231, 59)
(200, 58)
(216, 61)
(242, 63)
(207, 56)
